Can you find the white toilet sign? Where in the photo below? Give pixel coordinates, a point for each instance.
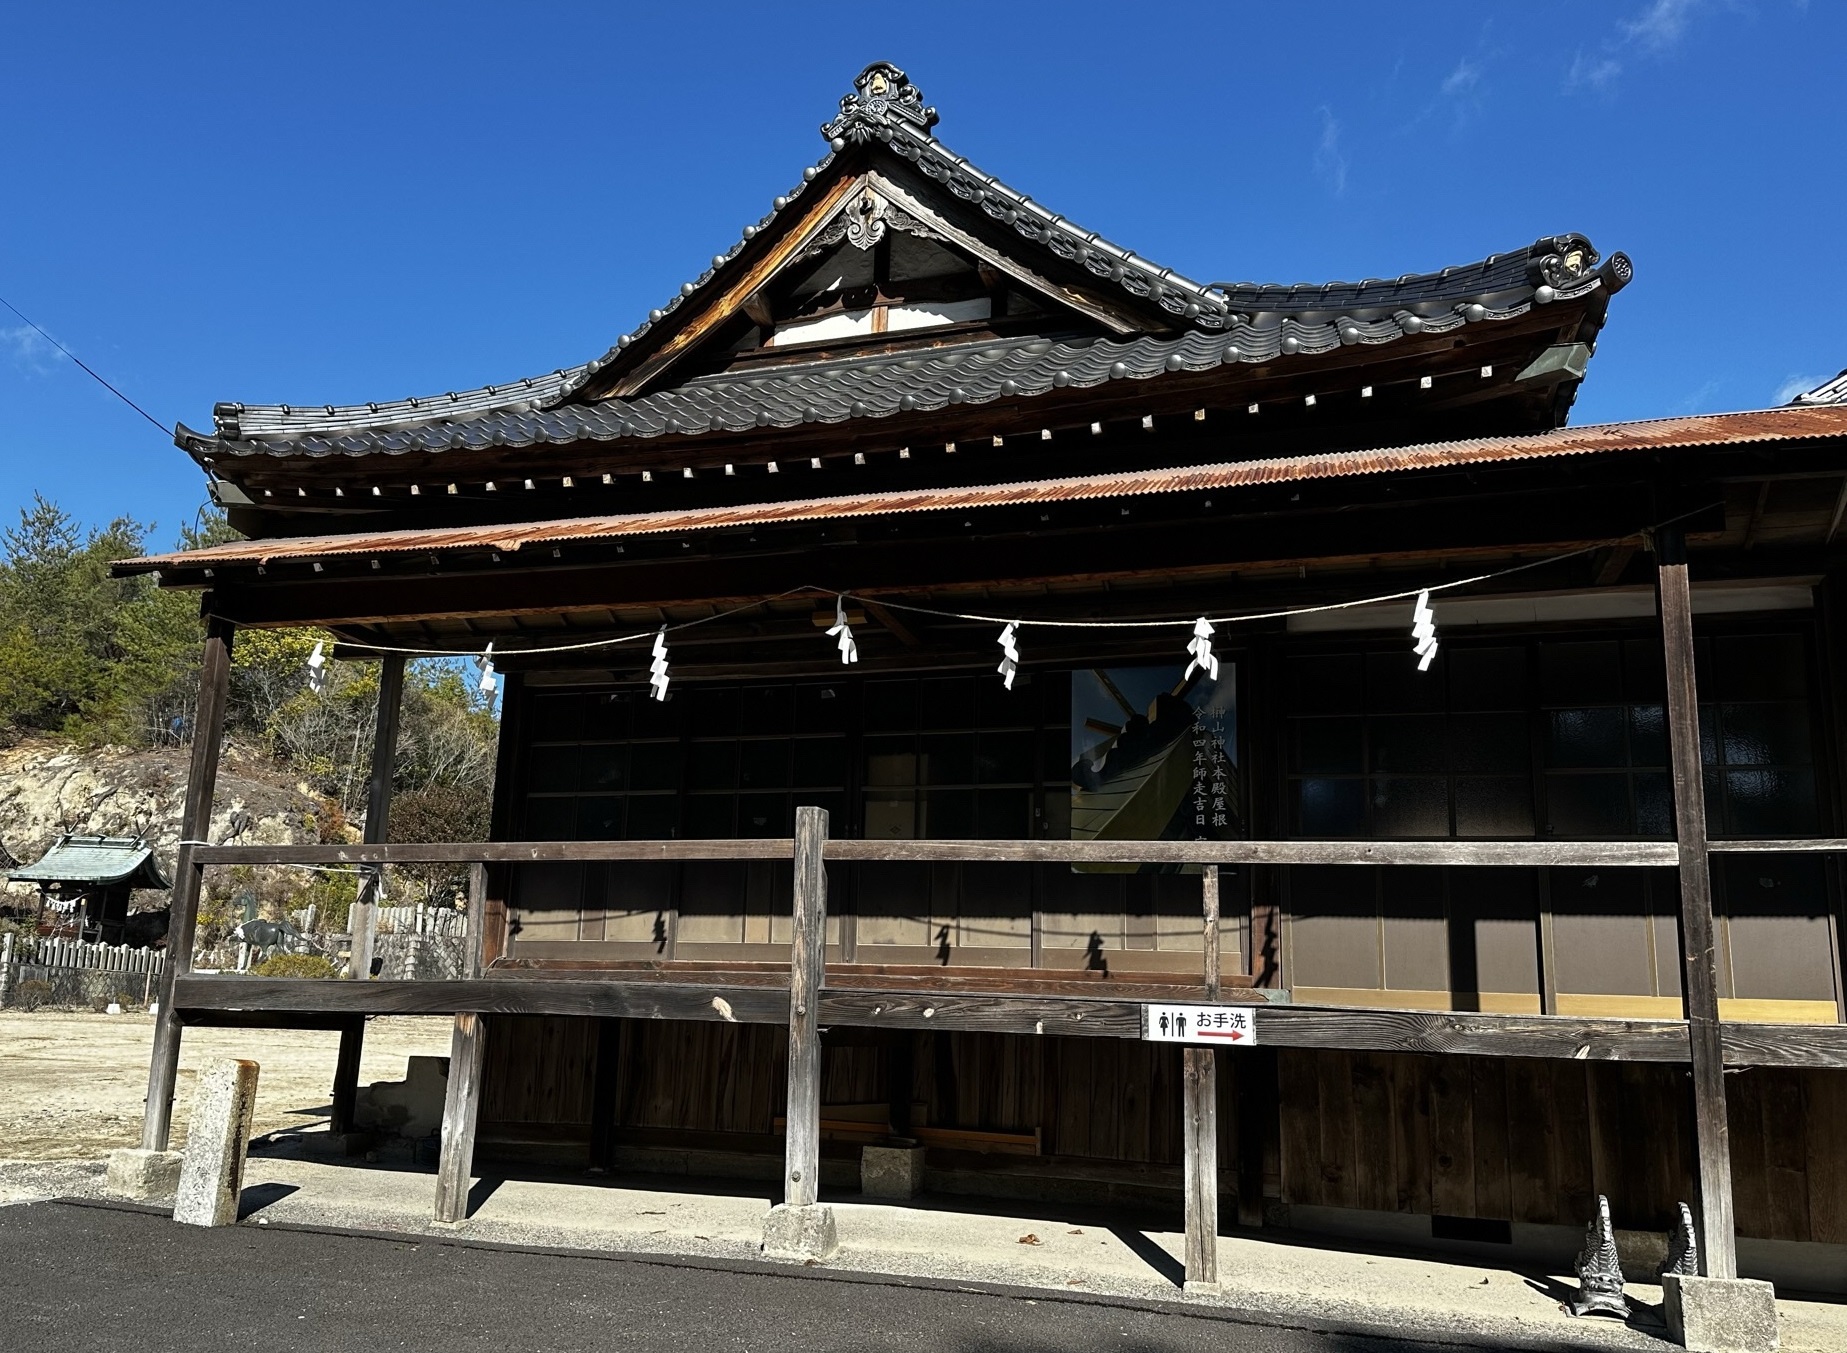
(1235, 1025)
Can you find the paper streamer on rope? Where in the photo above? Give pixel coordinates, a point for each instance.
(1010, 655)
(657, 668)
(317, 668)
(1424, 631)
(843, 632)
(1201, 649)
(490, 680)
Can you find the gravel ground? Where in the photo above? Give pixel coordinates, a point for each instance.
(74, 1084)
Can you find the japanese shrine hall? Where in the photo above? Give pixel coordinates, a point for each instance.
(1533, 883)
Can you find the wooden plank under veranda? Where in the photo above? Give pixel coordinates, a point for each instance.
(1825, 1118)
(1452, 1138)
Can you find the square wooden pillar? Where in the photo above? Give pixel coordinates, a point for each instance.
(1717, 1244)
(182, 919)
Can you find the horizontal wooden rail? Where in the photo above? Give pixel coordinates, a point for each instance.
(205, 999)
(1522, 854)
(488, 995)
(499, 852)
(1799, 845)
(1598, 854)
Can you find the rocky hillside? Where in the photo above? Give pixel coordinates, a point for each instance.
(47, 788)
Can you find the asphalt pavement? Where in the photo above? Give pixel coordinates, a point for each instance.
(92, 1278)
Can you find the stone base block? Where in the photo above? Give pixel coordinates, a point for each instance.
(1203, 1289)
(800, 1232)
(139, 1176)
(1720, 1315)
(891, 1171)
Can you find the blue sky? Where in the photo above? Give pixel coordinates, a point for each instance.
(336, 203)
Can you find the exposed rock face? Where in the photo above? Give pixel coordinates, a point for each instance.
(47, 788)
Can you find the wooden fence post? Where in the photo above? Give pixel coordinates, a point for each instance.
(1199, 1120)
(461, 1110)
(799, 1226)
(474, 945)
(1717, 1244)
(189, 880)
(363, 919)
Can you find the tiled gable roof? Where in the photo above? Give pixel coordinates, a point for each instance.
(1217, 324)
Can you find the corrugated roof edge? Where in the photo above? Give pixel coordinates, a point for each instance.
(1785, 424)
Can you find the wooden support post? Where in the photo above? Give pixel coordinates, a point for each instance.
(1200, 1119)
(1717, 1245)
(346, 1075)
(461, 1109)
(1209, 906)
(802, 1180)
(798, 1227)
(364, 921)
(195, 825)
(1202, 1169)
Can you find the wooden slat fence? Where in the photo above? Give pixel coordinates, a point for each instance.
(70, 972)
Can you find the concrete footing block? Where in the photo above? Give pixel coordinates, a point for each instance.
(136, 1175)
(1720, 1315)
(212, 1170)
(800, 1232)
(891, 1171)
(350, 1143)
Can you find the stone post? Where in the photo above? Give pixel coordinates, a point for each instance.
(212, 1169)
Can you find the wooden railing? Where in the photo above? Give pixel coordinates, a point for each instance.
(810, 1002)
(1018, 1003)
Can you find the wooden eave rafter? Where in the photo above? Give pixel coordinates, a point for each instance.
(1280, 387)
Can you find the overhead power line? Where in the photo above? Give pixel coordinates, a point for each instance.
(165, 431)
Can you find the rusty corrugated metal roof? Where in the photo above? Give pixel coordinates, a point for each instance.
(1786, 424)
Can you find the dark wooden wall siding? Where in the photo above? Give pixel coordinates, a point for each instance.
(1517, 1140)
(1789, 1153)
(1536, 1141)
(538, 1070)
(702, 1077)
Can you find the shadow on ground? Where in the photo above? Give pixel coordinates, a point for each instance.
(259, 1196)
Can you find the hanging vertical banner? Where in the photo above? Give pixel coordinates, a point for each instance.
(1154, 758)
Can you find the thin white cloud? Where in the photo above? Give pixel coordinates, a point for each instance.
(27, 350)
(1594, 71)
(1699, 400)
(1659, 27)
(1330, 159)
(1655, 30)
(1796, 385)
(1463, 79)
(1460, 95)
